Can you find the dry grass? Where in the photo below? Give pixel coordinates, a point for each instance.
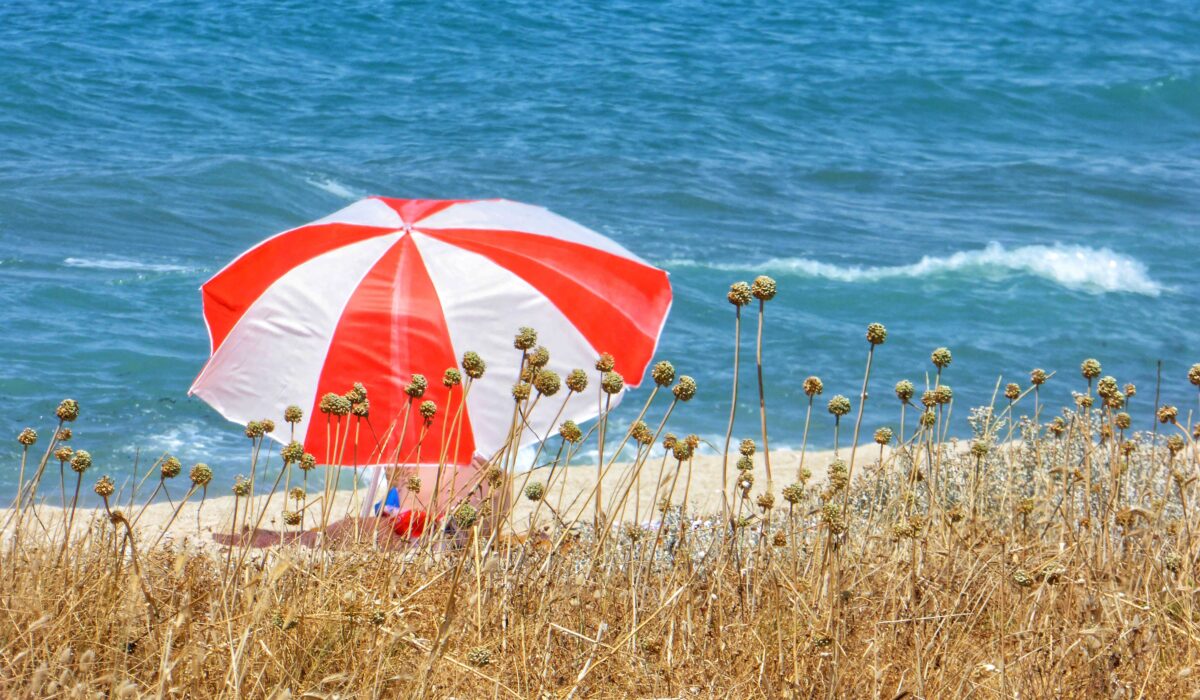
(1036, 559)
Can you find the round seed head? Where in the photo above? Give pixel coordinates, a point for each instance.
(547, 382)
(1058, 426)
(535, 491)
(905, 390)
(641, 432)
(293, 518)
(1130, 391)
(451, 377)
(779, 539)
(681, 450)
(928, 418)
(268, 425)
(745, 463)
(944, 394)
(473, 364)
(539, 357)
(1038, 377)
(794, 493)
(766, 500)
(1123, 421)
(494, 477)
(883, 436)
(1194, 374)
(241, 486)
(1167, 414)
(170, 468)
(521, 391)
(980, 448)
(577, 381)
(1175, 443)
(570, 431)
(428, 410)
(416, 388)
(763, 288)
(1107, 386)
(612, 382)
(1090, 368)
(254, 429)
(745, 479)
(669, 441)
(693, 440)
(1115, 401)
(479, 657)
(27, 437)
(876, 334)
(81, 461)
(293, 414)
(663, 373)
(839, 405)
(525, 339)
(357, 393)
(308, 462)
(831, 515)
(201, 474)
(739, 294)
(362, 409)
(813, 386)
(327, 402)
(413, 483)
(297, 494)
(68, 410)
(941, 358)
(839, 475)
(1012, 391)
(1084, 401)
(105, 487)
(465, 515)
(292, 452)
(1022, 578)
(747, 447)
(1128, 447)
(685, 388)
(63, 454)
(605, 363)
(63, 434)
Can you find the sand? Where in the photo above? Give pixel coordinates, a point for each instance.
(570, 496)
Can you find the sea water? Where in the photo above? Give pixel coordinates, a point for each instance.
(1016, 181)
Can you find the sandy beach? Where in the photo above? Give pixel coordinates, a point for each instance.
(571, 495)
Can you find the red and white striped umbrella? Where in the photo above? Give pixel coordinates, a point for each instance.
(386, 288)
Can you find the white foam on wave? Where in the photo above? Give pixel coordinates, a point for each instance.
(334, 188)
(124, 264)
(1096, 270)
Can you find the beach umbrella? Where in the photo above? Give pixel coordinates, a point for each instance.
(388, 288)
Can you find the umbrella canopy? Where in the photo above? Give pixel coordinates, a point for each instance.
(388, 288)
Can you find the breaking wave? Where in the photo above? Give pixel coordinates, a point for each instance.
(1096, 270)
(334, 188)
(123, 264)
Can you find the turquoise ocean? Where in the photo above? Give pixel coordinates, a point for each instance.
(1017, 181)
